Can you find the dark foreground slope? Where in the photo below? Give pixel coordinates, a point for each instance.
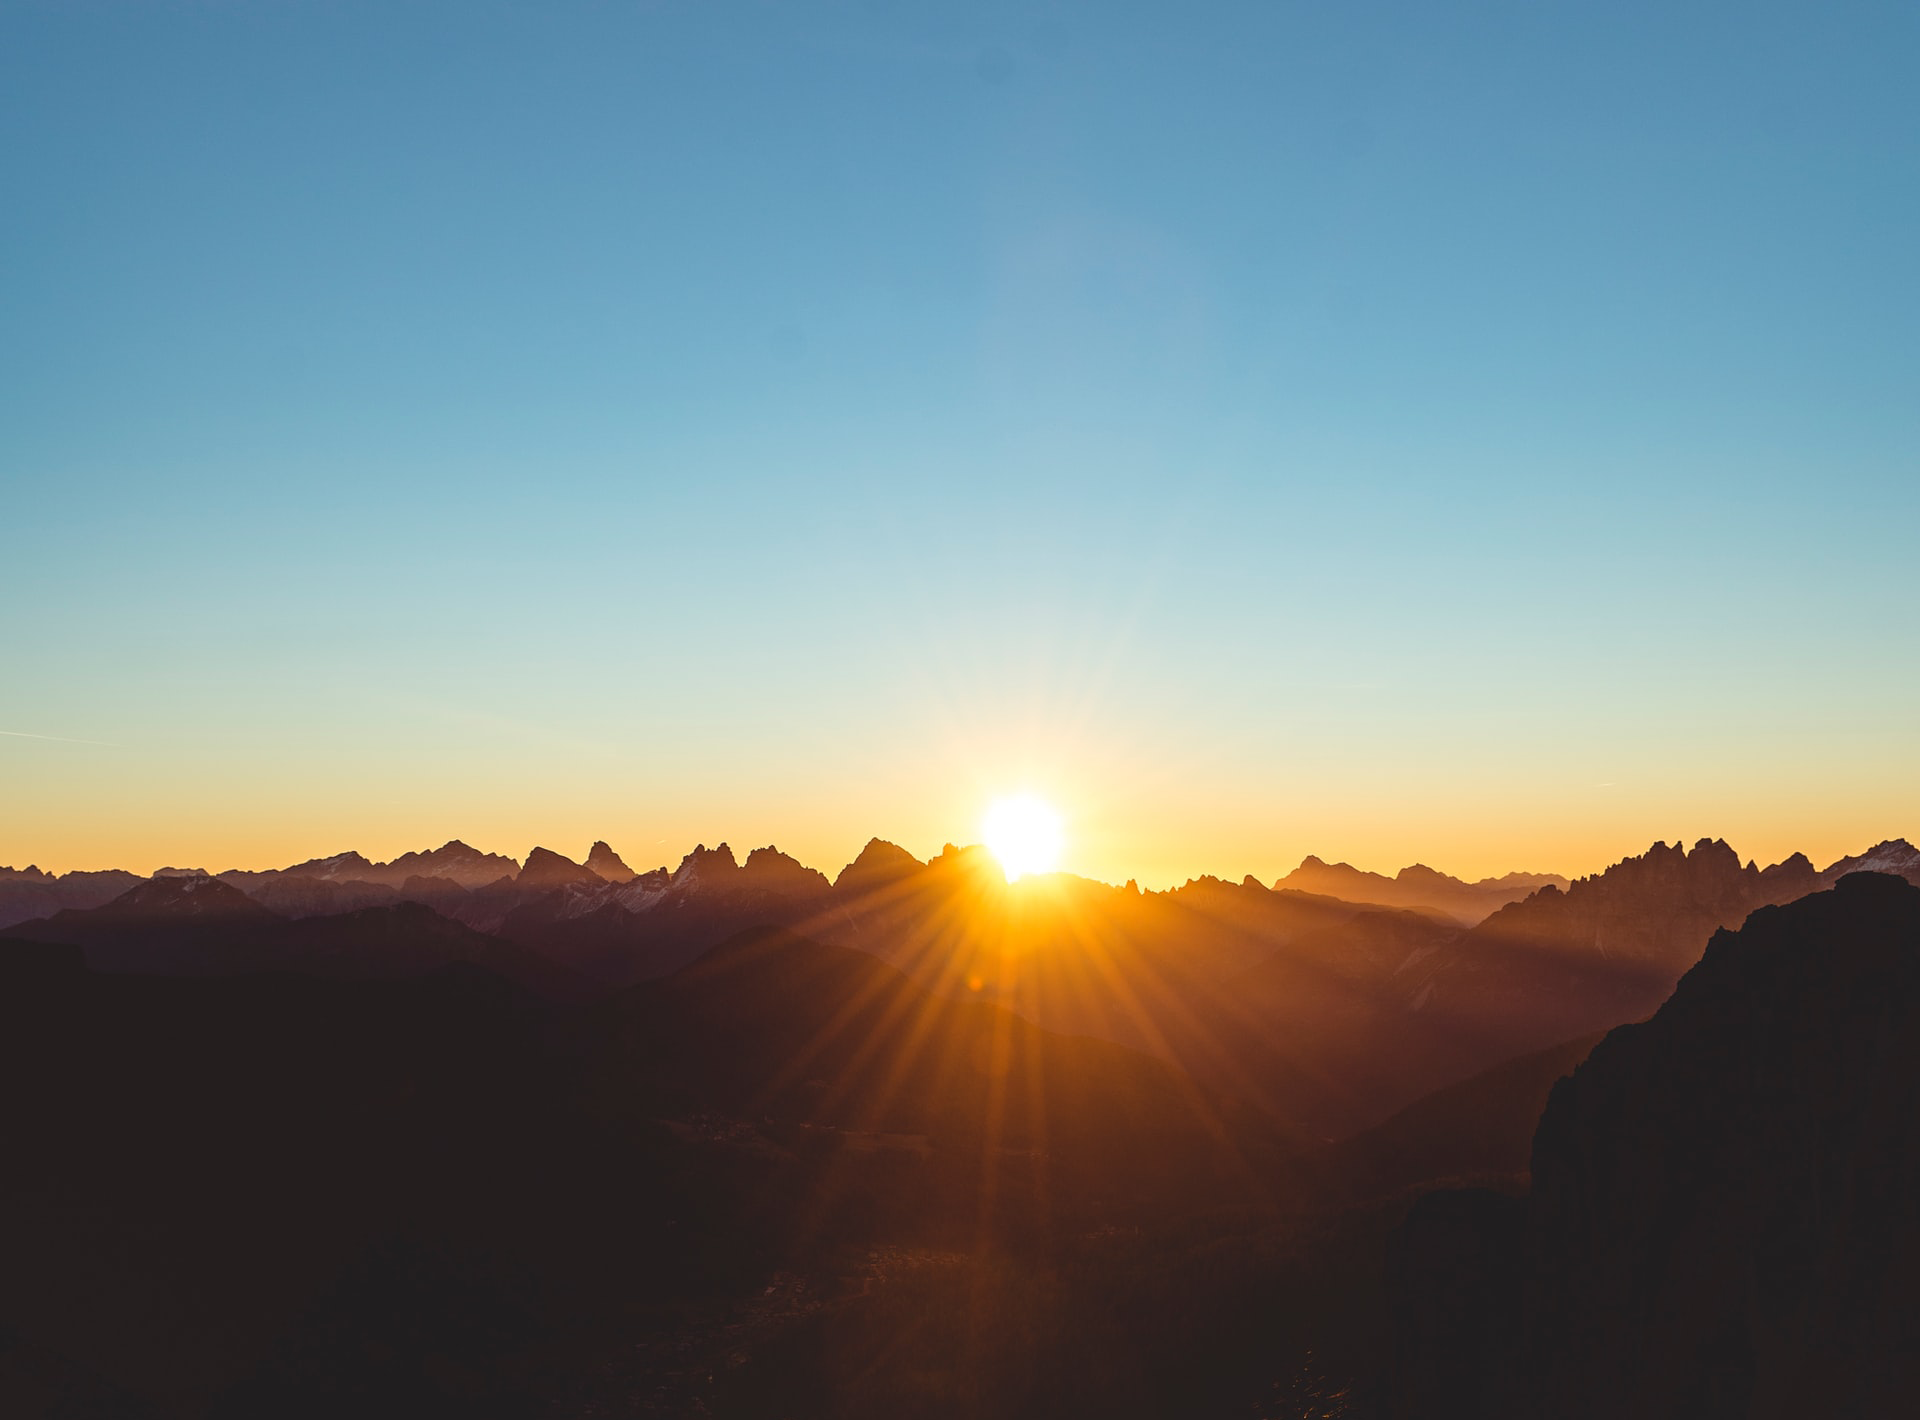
(1725, 1215)
(784, 1181)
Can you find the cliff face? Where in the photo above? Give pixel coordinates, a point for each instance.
(1725, 1208)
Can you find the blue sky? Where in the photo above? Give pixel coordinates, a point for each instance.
(1485, 434)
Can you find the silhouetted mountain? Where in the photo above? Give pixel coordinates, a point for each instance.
(1155, 971)
(547, 871)
(29, 892)
(1895, 856)
(454, 861)
(451, 862)
(1658, 908)
(657, 921)
(705, 862)
(959, 1148)
(341, 867)
(607, 864)
(1330, 1014)
(770, 871)
(1314, 1008)
(164, 925)
(201, 926)
(349, 882)
(1418, 888)
(179, 896)
(1326, 1012)
(1725, 1207)
(880, 865)
(1605, 951)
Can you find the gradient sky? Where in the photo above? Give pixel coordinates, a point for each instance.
(1484, 434)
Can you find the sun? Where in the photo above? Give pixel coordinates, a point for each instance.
(1023, 832)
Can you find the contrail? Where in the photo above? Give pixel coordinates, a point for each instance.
(64, 739)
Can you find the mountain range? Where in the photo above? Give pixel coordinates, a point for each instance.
(738, 1139)
(1418, 887)
(1327, 1012)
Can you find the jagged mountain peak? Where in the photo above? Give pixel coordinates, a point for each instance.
(879, 862)
(705, 862)
(183, 894)
(1416, 887)
(602, 860)
(1892, 855)
(1709, 857)
(1792, 876)
(348, 865)
(546, 869)
(453, 859)
(770, 869)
